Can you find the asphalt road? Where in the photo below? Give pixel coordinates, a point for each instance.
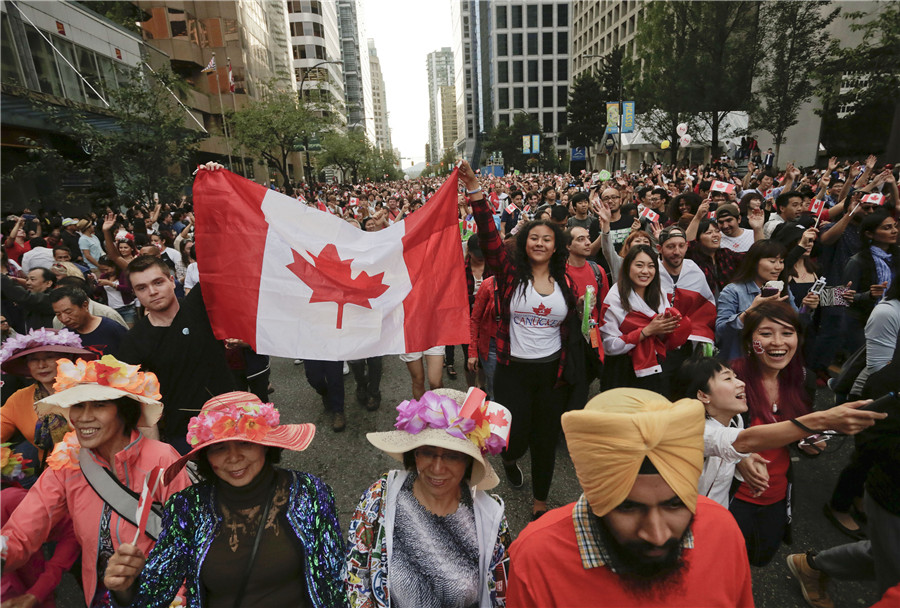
(350, 464)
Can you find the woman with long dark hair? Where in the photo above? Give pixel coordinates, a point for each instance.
(536, 308)
(871, 271)
(638, 326)
(778, 388)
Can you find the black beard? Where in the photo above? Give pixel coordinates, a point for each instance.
(642, 576)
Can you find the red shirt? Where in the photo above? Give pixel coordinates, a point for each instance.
(584, 276)
(779, 462)
(546, 568)
(16, 250)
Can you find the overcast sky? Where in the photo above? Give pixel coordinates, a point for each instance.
(405, 31)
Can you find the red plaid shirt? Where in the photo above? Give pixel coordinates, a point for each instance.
(719, 271)
(497, 259)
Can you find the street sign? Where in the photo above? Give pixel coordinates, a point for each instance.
(579, 153)
(610, 144)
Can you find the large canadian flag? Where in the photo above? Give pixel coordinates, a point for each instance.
(694, 299)
(293, 281)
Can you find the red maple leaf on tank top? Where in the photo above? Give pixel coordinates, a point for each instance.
(542, 311)
(331, 280)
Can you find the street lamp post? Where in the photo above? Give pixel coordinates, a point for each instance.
(307, 167)
(621, 103)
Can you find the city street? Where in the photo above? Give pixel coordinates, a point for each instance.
(350, 464)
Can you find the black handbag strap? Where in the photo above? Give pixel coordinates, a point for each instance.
(239, 597)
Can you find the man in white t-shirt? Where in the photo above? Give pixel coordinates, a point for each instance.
(734, 237)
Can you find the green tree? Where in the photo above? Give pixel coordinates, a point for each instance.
(274, 126)
(585, 112)
(346, 151)
(380, 165)
(798, 38)
(863, 81)
(507, 139)
(147, 151)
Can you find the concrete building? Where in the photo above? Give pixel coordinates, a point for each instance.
(439, 66)
(379, 101)
(251, 34)
(357, 77)
(102, 51)
(510, 57)
(447, 120)
(314, 38)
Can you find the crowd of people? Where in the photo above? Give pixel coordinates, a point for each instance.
(674, 324)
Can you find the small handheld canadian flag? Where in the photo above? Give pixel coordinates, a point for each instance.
(301, 198)
(725, 187)
(875, 198)
(510, 208)
(817, 206)
(711, 215)
(354, 201)
(151, 482)
(650, 214)
(527, 208)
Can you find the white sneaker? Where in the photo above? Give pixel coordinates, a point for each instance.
(298, 361)
(346, 368)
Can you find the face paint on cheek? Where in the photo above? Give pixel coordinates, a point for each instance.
(758, 348)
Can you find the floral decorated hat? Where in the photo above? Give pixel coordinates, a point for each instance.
(105, 379)
(239, 416)
(453, 420)
(15, 350)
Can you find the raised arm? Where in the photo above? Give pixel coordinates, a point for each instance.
(112, 250)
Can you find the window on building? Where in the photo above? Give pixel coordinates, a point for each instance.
(516, 15)
(560, 121)
(562, 42)
(44, 64)
(503, 98)
(533, 43)
(501, 16)
(562, 94)
(562, 14)
(320, 52)
(503, 71)
(547, 15)
(503, 119)
(518, 98)
(548, 70)
(502, 41)
(518, 72)
(547, 122)
(532, 15)
(548, 97)
(547, 43)
(562, 69)
(533, 71)
(70, 80)
(533, 97)
(10, 59)
(517, 44)
(315, 7)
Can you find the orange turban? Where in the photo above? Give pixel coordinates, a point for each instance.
(609, 439)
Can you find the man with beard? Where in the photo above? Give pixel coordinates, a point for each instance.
(639, 535)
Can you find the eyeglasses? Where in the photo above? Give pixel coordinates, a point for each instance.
(428, 455)
(611, 198)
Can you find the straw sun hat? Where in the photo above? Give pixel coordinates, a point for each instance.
(15, 350)
(453, 420)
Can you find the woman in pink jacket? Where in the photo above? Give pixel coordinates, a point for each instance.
(105, 401)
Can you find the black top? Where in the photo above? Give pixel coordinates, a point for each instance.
(188, 360)
(106, 338)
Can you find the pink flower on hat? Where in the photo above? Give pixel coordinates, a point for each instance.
(248, 421)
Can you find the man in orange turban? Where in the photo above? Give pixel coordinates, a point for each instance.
(639, 535)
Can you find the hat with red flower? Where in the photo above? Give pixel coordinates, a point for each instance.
(239, 416)
(105, 379)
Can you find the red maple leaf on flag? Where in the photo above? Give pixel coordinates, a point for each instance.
(331, 280)
(497, 419)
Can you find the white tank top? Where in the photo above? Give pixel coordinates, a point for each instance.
(534, 322)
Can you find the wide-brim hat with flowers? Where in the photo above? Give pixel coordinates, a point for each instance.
(239, 416)
(453, 420)
(105, 379)
(14, 353)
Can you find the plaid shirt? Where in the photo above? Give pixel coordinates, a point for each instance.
(719, 271)
(497, 259)
(594, 553)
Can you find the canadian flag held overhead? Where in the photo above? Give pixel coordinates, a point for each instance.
(309, 285)
(874, 198)
(650, 214)
(725, 187)
(817, 206)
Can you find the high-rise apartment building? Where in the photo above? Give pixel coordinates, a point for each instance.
(510, 57)
(315, 38)
(357, 78)
(439, 65)
(447, 124)
(598, 27)
(379, 101)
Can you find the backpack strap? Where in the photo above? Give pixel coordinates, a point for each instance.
(118, 496)
(598, 275)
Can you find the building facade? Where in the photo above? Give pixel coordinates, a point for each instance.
(439, 66)
(379, 101)
(314, 38)
(510, 57)
(357, 78)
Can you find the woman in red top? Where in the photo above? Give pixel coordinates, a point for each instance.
(778, 389)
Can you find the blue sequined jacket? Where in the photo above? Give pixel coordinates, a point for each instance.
(191, 521)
